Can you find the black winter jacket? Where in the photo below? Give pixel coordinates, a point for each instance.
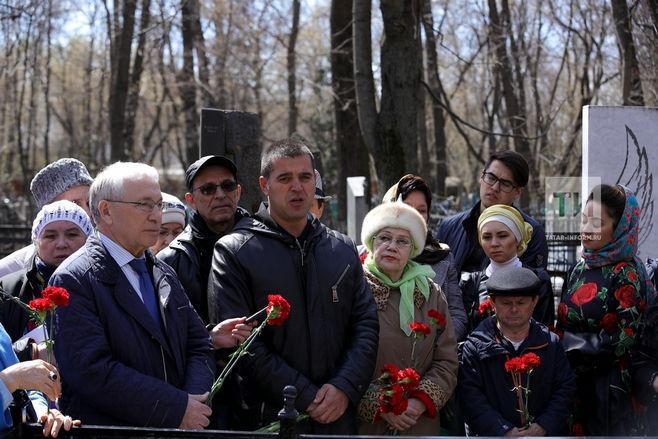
(460, 233)
(485, 389)
(331, 335)
(191, 258)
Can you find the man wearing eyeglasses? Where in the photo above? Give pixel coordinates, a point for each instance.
(130, 348)
(213, 194)
(501, 182)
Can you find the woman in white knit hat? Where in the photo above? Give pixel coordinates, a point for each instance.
(173, 222)
(59, 230)
(394, 233)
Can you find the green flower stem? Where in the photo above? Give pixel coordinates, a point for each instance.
(235, 356)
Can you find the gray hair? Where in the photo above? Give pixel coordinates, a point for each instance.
(284, 148)
(108, 185)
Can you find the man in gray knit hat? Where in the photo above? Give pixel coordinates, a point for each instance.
(64, 179)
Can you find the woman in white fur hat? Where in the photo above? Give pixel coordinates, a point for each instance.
(394, 233)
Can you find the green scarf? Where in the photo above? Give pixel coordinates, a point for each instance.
(414, 275)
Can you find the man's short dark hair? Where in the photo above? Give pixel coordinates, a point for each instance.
(516, 163)
(284, 148)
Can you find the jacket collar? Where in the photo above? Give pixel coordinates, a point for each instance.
(107, 271)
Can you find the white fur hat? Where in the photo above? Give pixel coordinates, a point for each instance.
(398, 215)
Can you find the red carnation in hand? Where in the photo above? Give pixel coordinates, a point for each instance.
(278, 309)
(531, 360)
(389, 371)
(408, 378)
(420, 329)
(436, 318)
(57, 295)
(485, 308)
(609, 322)
(41, 304)
(626, 296)
(584, 294)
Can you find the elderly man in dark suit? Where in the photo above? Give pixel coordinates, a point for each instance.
(130, 347)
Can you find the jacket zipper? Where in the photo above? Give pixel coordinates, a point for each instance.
(164, 366)
(301, 250)
(334, 288)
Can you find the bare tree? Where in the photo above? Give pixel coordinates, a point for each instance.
(352, 154)
(630, 78)
(292, 73)
(390, 134)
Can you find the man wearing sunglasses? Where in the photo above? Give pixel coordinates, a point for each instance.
(213, 194)
(501, 182)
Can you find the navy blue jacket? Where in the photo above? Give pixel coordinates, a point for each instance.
(117, 367)
(485, 389)
(460, 233)
(332, 333)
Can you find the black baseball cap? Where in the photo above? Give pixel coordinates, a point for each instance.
(204, 162)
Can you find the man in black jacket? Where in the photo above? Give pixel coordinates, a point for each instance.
(502, 182)
(213, 193)
(328, 345)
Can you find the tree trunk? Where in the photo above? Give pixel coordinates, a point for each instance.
(187, 88)
(630, 76)
(434, 82)
(132, 103)
(352, 154)
(292, 74)
(120, 77)
(391, 135)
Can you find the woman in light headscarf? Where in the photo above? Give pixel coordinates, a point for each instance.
(504, 236)
(601, 312)
(394, 233)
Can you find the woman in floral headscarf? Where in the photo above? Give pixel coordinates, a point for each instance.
(600, 312)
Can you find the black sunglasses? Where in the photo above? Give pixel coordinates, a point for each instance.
(210, 189)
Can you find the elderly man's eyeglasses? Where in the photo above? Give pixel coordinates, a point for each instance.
(145, 206)
(211, 188)
(387, 240)
(491, 179)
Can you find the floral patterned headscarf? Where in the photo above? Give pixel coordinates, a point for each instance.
(624, 243)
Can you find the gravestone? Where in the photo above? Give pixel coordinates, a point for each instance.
(620, 145)
(235, 134)
(357, 206)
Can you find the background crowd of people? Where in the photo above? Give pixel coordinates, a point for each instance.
(159, 291)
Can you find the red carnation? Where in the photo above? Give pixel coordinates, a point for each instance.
(642, 305)
(609, 322)
(41, 304)
(389, 371)
(420, 329)
(485, 308)
(278, 309)
(628, 331)
(437, 318)
(626, 296)
(577, 429)
(531, 360)
(408, 378)
(57, 295)
(584, 294)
